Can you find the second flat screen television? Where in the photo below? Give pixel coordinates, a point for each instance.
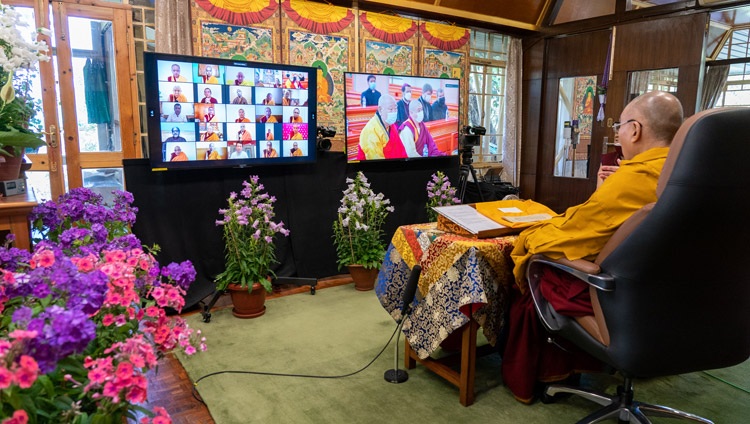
(224, 113)
(400, 117)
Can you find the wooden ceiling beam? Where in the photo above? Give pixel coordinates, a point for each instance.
(450, 14)
(549, 13)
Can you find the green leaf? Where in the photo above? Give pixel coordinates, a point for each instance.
(16, 138)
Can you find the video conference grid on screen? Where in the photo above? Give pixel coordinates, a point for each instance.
(220, 112)
(398, 117)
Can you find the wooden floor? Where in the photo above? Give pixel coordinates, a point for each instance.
(169, 385)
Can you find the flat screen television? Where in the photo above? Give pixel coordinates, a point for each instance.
(425, 126)
(205, 112)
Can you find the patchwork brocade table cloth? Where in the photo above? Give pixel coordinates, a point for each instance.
(461, 276)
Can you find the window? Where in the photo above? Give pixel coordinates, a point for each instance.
(489, 56)
(737, 90)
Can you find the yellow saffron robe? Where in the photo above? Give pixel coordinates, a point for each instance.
(373, 138)
(583, 230)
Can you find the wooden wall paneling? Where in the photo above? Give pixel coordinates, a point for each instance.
(571, 56)
(533, 70)
(657, 44)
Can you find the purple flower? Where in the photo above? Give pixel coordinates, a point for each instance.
(61, 333)
(22, 316)
(183, 273)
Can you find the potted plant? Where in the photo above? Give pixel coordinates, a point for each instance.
(85, 316)
(439, 193)
(249, 232)
(357, 231)
(18, 127)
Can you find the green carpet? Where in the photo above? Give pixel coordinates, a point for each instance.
(339, 330)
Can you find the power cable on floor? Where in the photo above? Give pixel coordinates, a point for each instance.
(276, 374)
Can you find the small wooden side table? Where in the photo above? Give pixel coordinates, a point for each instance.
(14, 218)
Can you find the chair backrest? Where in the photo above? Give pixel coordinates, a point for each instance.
(682, 297)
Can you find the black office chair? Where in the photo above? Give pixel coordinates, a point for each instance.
(671, 289)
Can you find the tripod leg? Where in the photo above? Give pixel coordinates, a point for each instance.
(207, 309)
(462, 180)
(476, 181)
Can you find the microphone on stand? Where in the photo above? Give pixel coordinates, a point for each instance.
(396, 375)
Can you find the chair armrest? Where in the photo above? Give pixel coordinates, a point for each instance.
(588, 272)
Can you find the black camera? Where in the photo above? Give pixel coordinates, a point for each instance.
(470, 137)
(475, 130)
(324, 137)
(327, 132)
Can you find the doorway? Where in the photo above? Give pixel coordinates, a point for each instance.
(86, 92)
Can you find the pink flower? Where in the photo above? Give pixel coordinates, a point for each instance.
(111, 391)
(108, 320)
(28, 363)
(22, 334)
(120, 320)
(8, 277)
(97, 376)
(124, 370)
(6, 378)
(19, 417)
(162, 420)
(44, 258)
(153, 311)
(25, 378)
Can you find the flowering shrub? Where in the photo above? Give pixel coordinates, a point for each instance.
(439, 193)
(18, 56)
(357, 232)
(84, 316)
(249, 230)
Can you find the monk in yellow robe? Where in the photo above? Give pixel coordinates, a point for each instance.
(375, 134)
(177, 95)
(295, 150)
(270, 152)
(647, 125)
(178, 155)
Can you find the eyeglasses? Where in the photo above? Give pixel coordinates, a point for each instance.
(616, 126)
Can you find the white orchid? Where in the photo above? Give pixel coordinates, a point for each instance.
(357, 230)
(19, 56)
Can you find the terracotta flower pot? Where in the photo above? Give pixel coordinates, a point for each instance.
(10, 166)
(364, 278)
(248, 305)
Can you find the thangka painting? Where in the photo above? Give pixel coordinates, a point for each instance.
(247, 31)
(390, 59)
(321, 35)
(330, 54)
(390, 44)
(585, 92)
(443, 64)
(236, 42)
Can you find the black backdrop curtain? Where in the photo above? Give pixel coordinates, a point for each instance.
(178, 209)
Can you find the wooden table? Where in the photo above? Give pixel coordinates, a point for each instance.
(14, 217)
(463, 284)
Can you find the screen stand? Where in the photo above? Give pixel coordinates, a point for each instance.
(298, 281)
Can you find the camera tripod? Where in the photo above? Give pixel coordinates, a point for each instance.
(464, 171)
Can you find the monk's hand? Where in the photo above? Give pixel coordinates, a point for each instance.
(607, 170)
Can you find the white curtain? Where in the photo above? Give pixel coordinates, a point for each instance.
(512, 126)
(713, 84)
(173, 27)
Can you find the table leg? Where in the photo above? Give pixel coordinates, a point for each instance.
(444, 367)
(468, 363)
(410, 361)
